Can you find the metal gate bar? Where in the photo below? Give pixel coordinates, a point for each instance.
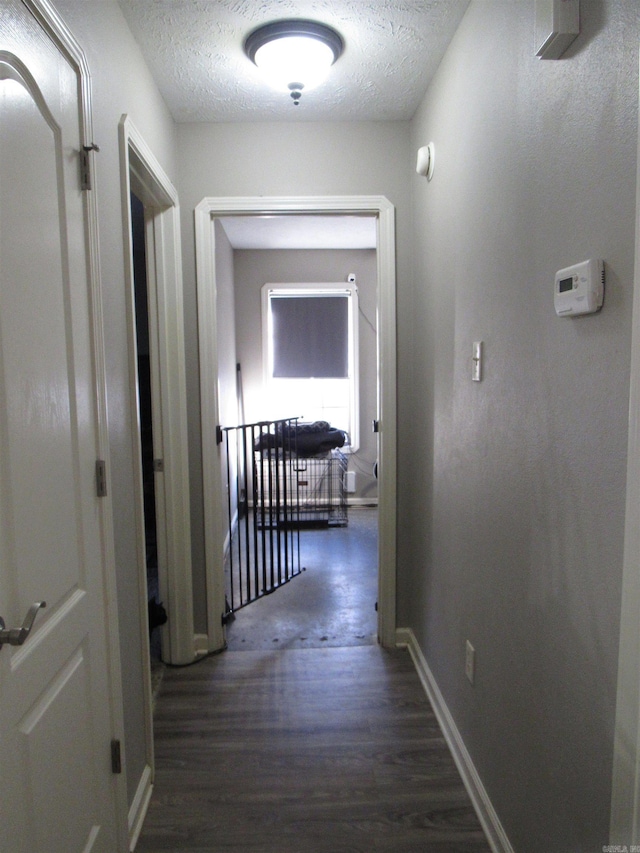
(263, 510)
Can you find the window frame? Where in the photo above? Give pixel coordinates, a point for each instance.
(310, 290)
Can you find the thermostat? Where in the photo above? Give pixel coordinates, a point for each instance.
(579, 289)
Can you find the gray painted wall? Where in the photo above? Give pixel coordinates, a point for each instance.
(255, 268)
(226, 316)
(514, 538)
(121, 83)
(227, 381)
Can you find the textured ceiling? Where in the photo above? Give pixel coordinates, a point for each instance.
(194, 50)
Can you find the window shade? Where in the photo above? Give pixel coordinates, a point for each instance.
(310, 336)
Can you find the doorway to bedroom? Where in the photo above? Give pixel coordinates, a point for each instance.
(220, 343)
(297, 338)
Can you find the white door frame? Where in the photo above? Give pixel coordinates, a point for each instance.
(205, 212)
(625, 800)
(141, 172)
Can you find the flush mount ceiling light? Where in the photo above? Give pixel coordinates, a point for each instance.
(294, 54)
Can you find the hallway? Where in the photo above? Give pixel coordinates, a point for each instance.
(305, 738)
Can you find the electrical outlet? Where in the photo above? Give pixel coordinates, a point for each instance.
(470, 663)
(350, 482)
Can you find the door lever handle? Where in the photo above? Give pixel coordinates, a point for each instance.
(17, 636)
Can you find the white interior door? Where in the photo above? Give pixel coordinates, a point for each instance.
(58, 792)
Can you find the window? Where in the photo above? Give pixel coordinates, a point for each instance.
(310, 352)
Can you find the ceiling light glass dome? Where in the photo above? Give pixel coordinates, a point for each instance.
(295, 54)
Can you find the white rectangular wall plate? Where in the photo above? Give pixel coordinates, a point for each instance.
(476, 361)
(579, 289)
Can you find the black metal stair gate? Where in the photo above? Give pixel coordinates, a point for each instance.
(263, 545)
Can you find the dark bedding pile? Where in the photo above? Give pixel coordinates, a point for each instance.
(304, 439)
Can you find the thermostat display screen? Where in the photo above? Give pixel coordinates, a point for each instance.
(565, 284)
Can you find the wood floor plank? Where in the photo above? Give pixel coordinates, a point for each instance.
(332, 750)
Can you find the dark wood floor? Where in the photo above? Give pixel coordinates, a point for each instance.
(332, 750)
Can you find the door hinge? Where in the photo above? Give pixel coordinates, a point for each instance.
(158, 466)
(116, 757)
(85, 166)
(101, 478)
(219, 434)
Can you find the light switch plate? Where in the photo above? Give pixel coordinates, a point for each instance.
(476, 361)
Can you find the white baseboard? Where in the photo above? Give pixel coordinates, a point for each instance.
(496, 836)
(200, 644)
(230, 531)
(356, 502)
(139, 807)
